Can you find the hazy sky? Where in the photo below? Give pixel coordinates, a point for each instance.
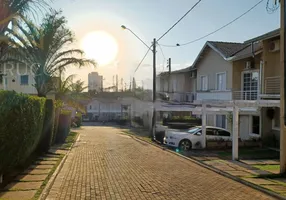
(151, 18)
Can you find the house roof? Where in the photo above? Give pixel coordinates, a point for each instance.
(184, 70)
(265, 36)
(225, 49)
(248, 51)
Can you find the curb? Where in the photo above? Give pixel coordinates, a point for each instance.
(50, 183)
(252, 185)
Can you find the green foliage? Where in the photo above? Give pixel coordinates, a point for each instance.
(48, 128)
(58, 104)
(78, 119)
(21, 119)
(64, 126)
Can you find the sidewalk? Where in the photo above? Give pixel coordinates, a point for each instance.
(264, 173)
(30, 183)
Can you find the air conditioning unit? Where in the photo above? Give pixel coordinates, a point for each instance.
(248, 65)
(193, 74)
(274, 46)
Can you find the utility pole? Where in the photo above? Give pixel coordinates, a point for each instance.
(169, 78)
(122, 87)
(282, 89)
(142, 85)
(154, 90)
(116, 83)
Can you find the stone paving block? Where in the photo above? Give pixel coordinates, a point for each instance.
(36, 171)
(270, 162)
(49, 158)
(41, 166)
(276, 188)
(260, 181)
(251, 162)
(18, 195)
(224, 167)
(24, 186)
(29, 177)
(239, 173)
(58, 151)
(46, 162)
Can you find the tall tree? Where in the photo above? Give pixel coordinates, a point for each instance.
(46, 49)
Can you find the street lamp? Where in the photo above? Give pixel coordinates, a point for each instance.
(154, 76)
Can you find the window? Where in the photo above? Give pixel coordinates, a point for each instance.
(211, 131)
(90, 107)
(204, 83)
(221, 81)
(24, 80)
(250, 85)
(223, 133)
(221, 121)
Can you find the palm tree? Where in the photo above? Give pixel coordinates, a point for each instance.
(46, 49)
(78, 87)
(10, 9)
(63, 87)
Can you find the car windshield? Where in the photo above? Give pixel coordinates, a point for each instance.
(193, 130)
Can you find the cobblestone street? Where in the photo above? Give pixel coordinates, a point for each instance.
(106, 165)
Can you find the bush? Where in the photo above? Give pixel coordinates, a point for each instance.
(63, 126)
(21, 119)
(58, 106)
(78, 119)
(48, 128)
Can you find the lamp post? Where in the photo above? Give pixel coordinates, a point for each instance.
(154, 76)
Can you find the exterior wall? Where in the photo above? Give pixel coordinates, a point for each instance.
(211, 64)
(238, 69)
(14, 72)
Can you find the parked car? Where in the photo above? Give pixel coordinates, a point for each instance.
(192, 138)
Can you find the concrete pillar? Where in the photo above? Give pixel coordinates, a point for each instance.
(235, 120)
(282, 98)
(204, 124)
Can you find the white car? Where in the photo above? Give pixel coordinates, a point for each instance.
(192, 138)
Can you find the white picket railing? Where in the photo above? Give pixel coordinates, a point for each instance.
(245, 95)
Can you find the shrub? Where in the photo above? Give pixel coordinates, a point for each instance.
(48, 127)
(63, 126)
(58, 104)
(21, 119)
(78, 119)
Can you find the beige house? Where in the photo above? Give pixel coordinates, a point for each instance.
(256, 76)
(180, 84)
(215, 78)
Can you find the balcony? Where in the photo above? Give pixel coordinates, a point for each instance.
(182, 97)
(271, 87)
(214, 95)
(245, 95)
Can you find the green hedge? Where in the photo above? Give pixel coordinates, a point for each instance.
(78, 119)
(48, 128)
(64, 126)
(21, 118)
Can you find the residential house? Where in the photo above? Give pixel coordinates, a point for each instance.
(215, 75)
(256, 76)
(180, 84)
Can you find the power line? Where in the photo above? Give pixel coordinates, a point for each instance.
(200, 38)
(164, 58)
(179, 20)
(142, 60)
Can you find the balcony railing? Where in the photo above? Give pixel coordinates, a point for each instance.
(245, 95)
(272, 85)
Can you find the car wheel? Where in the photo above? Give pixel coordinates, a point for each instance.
(185, 145)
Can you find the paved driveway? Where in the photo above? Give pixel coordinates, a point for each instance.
(107, 165)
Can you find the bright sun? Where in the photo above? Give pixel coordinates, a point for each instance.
(100, 46)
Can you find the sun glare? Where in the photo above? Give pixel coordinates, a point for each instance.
(100, 46)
